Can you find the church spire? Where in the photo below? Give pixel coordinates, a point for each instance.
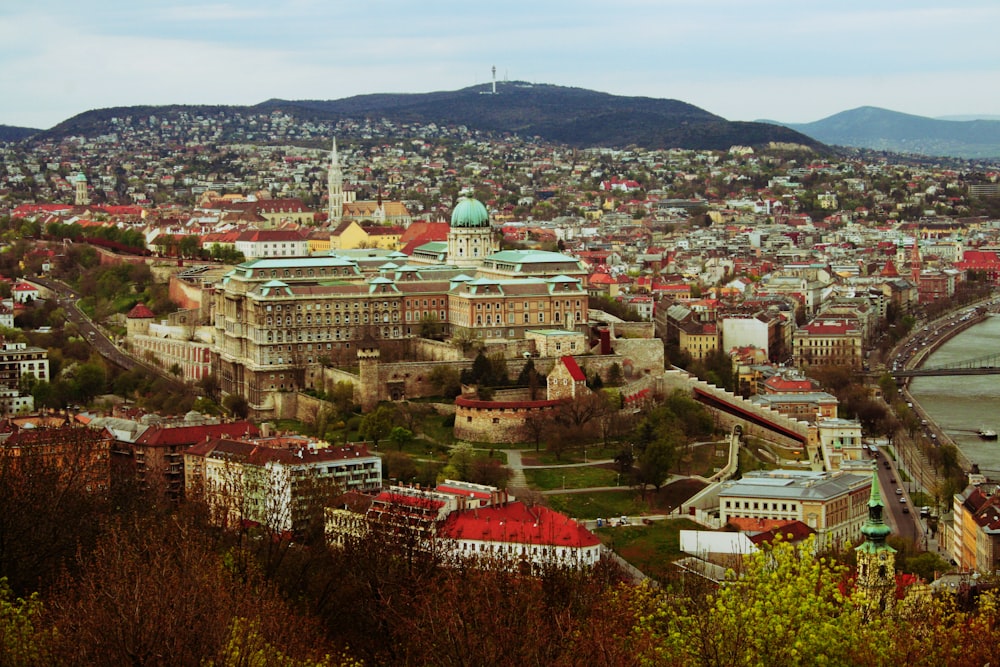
(335, 187)
(876, 580)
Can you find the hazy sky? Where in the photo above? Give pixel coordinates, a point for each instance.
(791, 61)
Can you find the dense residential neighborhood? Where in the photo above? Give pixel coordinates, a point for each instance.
(428, 351)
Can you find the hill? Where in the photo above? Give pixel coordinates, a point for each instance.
(882, 129)
(12, 133)
(573, 116)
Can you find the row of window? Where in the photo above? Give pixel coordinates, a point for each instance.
(746, 504)
(336, 306)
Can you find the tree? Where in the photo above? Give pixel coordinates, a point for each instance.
(377, 424)
(23, 638)
(237, 405)
(656, 461)
(400, 437)
(785, 608)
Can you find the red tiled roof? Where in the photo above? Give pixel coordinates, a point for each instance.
(139, 312)
(158, 436)
(516, 523)
(574, 369)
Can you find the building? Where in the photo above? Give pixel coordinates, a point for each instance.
(828, 343)
(470, 239)
(286, 490)
(24, 292)
(831, 503)
(808, 407)
(840, 444)
(975, 543)
(154, 457)
(519, 535)
(76, 455)
(18, 362)
(490, 308)
(186, 347)
(876, 582)
(265, 243)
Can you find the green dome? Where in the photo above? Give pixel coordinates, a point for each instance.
(470, 213)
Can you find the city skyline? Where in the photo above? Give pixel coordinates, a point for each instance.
(777, 60)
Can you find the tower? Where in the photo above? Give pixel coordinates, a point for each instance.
(915, 263)
(368, 373)
(80, 182)
(335, 187)
(494, 79)
(876, 583)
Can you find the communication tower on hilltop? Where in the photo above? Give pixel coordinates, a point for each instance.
(494, 79)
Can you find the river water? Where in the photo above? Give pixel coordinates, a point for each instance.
(962, 404)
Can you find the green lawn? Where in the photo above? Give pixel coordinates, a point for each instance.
(547, 458)
(650, 548)
(570, 478)
(598, 504)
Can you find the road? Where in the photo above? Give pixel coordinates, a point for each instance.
(67, 298)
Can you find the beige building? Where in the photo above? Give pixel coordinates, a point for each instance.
(975, 534)
(828, 343)
(489, 308)
(834, 504)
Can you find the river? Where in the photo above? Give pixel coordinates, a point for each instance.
(962, 404)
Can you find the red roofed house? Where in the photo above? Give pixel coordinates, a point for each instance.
(519, 534)
(23, 292)
(566, 381)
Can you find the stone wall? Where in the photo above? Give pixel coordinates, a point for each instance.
(633, 330)
(640, 356)
(434, 350)
(497, 422)
(676, 379)
(184, 293)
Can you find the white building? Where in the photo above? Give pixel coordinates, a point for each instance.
(519, 534)
(247, 481)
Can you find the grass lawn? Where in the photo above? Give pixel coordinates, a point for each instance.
(546, 458)
(598, 504)
(651, 548)
(571, 478)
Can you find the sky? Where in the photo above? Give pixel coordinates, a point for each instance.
(788, 61)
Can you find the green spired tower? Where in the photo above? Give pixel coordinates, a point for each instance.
(876, 583)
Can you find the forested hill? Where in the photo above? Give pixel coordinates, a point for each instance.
(573, 116)
(12, 133)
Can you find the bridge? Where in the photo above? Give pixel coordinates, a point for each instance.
(985, 365)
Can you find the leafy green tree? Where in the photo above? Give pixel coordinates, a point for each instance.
(377, 424)
(785, 607)
(400, 437)
(24, 639)
(656, 461)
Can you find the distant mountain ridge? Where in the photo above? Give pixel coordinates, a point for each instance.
(573, 116)
(13, 133)
(882, 129)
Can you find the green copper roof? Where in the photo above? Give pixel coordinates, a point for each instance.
(875, 529)
(470, 213)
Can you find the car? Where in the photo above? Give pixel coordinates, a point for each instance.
(892, 480)
(906, 510)
(899, 492)
(902, 501)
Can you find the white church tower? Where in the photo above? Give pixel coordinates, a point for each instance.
(335, 187)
